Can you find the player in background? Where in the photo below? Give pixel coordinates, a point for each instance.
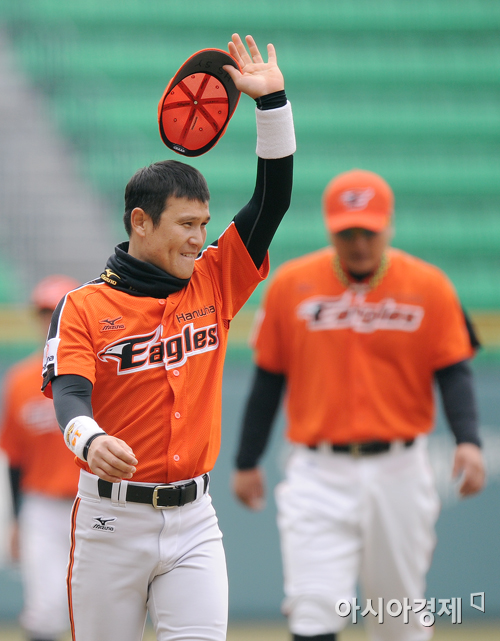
(44, 481)
(357, 333)
(134, 361)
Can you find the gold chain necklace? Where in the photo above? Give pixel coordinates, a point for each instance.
(379, 274)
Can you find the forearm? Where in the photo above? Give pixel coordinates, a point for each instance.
(15, 488)
(258, 221)
(73, 405)
(459, 402)
(72, 396)
(260, 411)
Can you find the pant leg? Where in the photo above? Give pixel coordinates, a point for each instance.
(318, 519)
(399, 538)
(190, 599)
(129, 557)
(114, 553)
(44, 548)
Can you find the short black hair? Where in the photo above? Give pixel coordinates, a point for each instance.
(150, 187)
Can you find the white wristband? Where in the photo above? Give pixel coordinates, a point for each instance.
(275, 132)
(77, 433)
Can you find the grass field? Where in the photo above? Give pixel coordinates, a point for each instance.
(276, 632)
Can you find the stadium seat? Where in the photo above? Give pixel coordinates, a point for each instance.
(409, 90)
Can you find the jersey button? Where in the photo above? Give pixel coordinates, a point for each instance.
(177, 415)
(161, 301)
(176, 457)
(176, 372)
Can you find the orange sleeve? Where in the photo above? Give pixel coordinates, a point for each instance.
(70, 349)
(269, 332)
(235, 270)
(10, 430)
(450, 338)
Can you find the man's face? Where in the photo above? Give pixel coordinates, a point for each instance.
(360, 250)
(176, 242)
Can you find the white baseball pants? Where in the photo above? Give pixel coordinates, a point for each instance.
(129, 558)
(44, 528)
(342, 519)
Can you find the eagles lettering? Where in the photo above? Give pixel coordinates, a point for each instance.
(351, 311)
(137, 353)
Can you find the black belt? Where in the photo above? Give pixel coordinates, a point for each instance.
(159, 496)
(368, 447)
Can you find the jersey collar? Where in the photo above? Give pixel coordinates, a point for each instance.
(138, 278)
(367, 284)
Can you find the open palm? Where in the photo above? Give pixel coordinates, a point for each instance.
(256, 78)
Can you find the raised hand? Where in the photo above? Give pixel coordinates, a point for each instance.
(257, 78)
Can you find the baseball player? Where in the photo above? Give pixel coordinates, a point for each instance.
(134, 363)
(357, 333)
(44, 482)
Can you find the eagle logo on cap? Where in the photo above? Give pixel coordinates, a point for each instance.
(356, 199)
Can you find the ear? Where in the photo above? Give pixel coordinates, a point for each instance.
(140, 222)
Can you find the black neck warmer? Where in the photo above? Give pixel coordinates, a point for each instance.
(137, 278)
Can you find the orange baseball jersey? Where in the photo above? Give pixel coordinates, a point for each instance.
(30, 435)
(156, 364)
(374, 350)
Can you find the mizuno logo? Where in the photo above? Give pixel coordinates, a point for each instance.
(110, 324)
(111, 321)
(102, 523)
(110, 276)
(137, 353)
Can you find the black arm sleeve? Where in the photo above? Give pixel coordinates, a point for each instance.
(459, 402)
(15, 488)
(258, 221)
(260, 411)
(471, 330)
(72, 397)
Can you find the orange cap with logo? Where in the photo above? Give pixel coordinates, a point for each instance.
(357, 198)
(50, 290)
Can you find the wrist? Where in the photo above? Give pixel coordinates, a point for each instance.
(275, 132)
(89, 443)
(79, 433)
(271, 100)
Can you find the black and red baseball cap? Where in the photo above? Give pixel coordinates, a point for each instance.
(198, 103)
